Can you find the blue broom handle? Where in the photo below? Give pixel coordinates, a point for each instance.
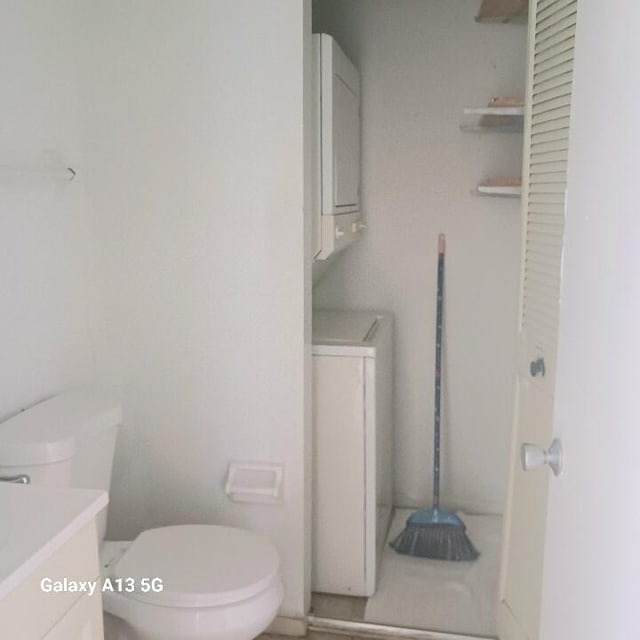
(438, 375)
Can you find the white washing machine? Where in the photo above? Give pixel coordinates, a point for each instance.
(352, 448)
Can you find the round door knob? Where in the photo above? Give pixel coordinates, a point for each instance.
(533, 457)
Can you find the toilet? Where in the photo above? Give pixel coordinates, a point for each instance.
(191, 582)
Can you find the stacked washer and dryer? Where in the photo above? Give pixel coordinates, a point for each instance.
(352, 446)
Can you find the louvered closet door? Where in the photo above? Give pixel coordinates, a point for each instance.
(547, 126)
(545, 180)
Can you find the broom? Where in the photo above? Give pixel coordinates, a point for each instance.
(436, 533)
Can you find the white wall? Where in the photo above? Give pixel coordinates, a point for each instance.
(193, 127)
(591, 586)
(46, 284)
(422, 62)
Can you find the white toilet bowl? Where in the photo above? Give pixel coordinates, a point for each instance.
(218, 583)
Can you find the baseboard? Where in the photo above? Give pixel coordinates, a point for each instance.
(283, 626)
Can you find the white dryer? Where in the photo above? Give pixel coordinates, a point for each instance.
(352, 448)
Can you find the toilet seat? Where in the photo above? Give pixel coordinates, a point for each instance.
(199, 565)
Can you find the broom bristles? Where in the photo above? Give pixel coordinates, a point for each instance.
(436, 541)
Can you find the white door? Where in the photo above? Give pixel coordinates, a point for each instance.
(591, 587)
(551, 53)
(340, 130)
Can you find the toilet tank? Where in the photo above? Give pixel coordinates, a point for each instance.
(68, 440)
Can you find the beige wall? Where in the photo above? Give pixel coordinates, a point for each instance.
(46, 241)
(193, 127)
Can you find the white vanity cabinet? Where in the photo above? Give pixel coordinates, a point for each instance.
(60, 616)
(49, 536)
(82, 622)
(336, 206)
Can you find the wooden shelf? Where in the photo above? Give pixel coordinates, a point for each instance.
(499, 106)
(494, 111)
(494, 124)
(503, 10)
(504, 114)
(500, 188)
(507, 101)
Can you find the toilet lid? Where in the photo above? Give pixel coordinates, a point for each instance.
(199, 565)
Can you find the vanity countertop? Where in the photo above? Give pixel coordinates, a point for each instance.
(35, 521)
